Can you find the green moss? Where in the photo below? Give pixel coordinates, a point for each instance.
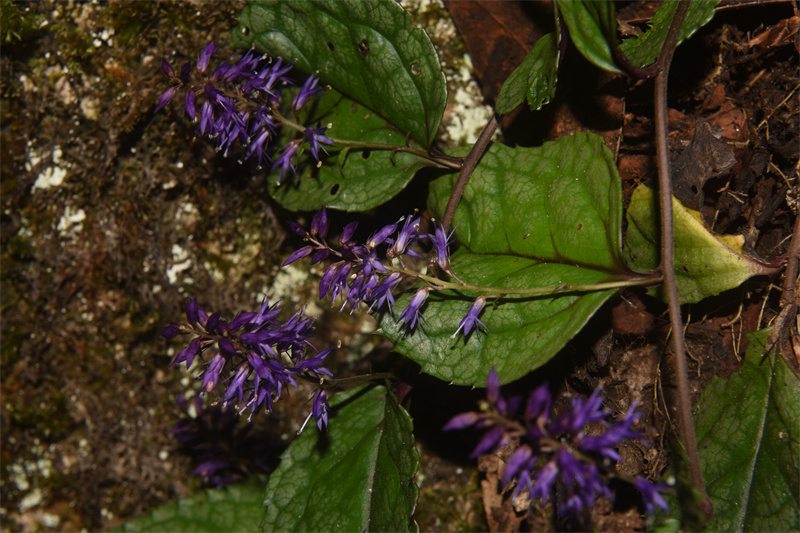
(48, 415)
(21, 22)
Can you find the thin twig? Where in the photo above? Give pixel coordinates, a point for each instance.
(668, 255)
(470, 162)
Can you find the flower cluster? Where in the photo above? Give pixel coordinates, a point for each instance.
(225, 451)
(259, 354)
(240, 102)
(553, 447)
(359, 274)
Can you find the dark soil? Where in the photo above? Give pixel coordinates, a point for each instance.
(144, 218)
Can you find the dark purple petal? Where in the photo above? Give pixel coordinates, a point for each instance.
(165, 66)
(347, 232)
(319, 224)
(462, 421)
(297, 228)
(165, 98)
(493, 387)
(298, 254)
(191, 111)
(521, 459)
(171, 331)
(205, 57)
(651, 494)
(539, 404)
(490, 442)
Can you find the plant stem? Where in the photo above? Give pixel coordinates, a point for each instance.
(668, 255)
(470, 162)
(438, 284)
(446, 162)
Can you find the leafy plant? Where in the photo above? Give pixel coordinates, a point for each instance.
(529, 248)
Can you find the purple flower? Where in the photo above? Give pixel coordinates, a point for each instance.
(308, 90)
(471, 321)
(441, 244)
(316, 139)
(235, 103)
(284, 162)
(651, 494)
(259, 355)
(411, 314)
(550, 449)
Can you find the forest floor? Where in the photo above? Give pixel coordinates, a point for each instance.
(112, 218)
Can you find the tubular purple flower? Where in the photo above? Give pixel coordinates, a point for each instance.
(167, 68)
(285, 160)
(205, 57)
(461, 421)
(308, 90)
(191, 112)
(320, 408)
(319, 224)
(316, 139)
(651, 494)
(471, 321)
(405, 237)
(298, 254)
(211, 375)
(166, 97)
(411, 314)
(441, 243)
(381, 236)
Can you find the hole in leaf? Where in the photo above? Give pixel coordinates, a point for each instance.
(363, 47)
(695, 190)
(415, 69)
(354, 107)
(334, 189)
(245, 31)
(685, 269)
(365, 154)
(330, 46)
(580, 227)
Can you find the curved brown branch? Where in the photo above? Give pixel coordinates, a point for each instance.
(469, 164)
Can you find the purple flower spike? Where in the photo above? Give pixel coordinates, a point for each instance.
(471, 321)
(411, 314)
(550, 449)
(259, 356)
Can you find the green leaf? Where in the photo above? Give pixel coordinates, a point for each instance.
(644, 49)
(358, 475)
(350, 180)
(534, 79)
(592, 27)
(529, 217)
(368, 49)
(237, 508)
(705, 264)
(747, 428)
